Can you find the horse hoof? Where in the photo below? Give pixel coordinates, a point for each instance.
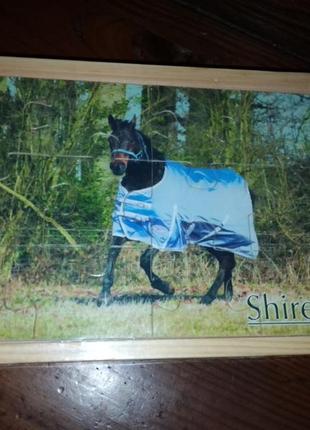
(104, 299)
(228, 295)
(207, 300)
(163, 286)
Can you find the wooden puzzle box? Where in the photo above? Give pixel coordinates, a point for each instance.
(152, 211)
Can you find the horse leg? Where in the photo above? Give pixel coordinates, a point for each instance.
(228, 286)
(146, 261)
(108, 278)
(226, 264)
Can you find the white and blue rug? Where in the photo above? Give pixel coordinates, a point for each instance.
(206, 207)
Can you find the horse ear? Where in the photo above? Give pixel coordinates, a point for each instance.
(112, 122)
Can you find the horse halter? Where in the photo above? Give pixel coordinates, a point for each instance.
(135, 156)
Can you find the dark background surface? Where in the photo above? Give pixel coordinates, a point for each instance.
(269, 393)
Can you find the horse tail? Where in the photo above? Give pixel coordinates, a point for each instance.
(253, 197)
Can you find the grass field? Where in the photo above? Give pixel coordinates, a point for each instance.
(49, 310)
(32, 314)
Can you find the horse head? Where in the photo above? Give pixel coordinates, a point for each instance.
(126, 144)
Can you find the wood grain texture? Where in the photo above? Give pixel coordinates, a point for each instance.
(270, 34)
(210, 394)
(180, 76)
(235, 394)
(32, 352)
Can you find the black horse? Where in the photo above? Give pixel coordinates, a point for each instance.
(131, 157)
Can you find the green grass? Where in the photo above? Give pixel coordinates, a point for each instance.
(219, 319)
(63, 318)
(68, 320)
(50, 310)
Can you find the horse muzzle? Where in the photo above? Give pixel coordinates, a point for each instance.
(118, 167)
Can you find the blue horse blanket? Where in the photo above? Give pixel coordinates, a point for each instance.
(206, 207)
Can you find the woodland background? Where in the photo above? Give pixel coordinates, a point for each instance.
(57, 192)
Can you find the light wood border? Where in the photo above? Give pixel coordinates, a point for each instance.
(194, 77)
(38, 351)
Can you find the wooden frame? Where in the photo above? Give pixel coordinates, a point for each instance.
(151, 349)
(156, 75)
(37, 351)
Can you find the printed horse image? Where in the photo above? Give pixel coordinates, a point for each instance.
(169, 206)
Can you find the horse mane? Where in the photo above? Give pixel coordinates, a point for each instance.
(153, 153)
(143, 174)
